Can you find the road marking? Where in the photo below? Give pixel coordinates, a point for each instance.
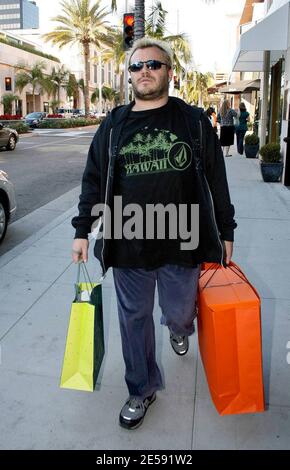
(49, 143)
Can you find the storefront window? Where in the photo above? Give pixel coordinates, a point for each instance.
(276, 101)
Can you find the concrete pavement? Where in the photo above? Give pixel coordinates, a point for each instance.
(36, 292)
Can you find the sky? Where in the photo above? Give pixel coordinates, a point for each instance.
(210, 28)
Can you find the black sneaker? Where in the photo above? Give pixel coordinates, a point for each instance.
(179, 343)
(133, 412)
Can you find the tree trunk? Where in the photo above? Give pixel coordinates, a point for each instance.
(33, 94)
(86, 49)
(139, 27)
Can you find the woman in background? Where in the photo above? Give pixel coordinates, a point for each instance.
(242, 128)
(226, 120)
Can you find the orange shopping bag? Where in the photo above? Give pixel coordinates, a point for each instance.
(229, 336)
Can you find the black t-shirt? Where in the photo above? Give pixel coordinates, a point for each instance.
(154, 165)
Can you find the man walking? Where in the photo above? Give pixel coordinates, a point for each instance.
(155, 151)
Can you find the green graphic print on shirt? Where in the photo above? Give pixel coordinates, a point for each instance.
(159, 151)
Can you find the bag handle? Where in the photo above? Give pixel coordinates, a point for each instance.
(233, 267)
(86, 277)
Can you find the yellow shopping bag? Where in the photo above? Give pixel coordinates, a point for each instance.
(84, 349)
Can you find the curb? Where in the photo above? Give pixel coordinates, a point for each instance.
(22, 246)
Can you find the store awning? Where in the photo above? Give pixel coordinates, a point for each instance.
(216, 87)
(242, 86)
(270, 34)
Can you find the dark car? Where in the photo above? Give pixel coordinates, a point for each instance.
(33, 119)
(8, 137)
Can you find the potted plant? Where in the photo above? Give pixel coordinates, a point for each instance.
(271, 162)
(251, 145)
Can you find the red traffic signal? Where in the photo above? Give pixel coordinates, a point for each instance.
(8, 84)
(128, 30)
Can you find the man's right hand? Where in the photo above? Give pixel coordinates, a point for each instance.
(80, 250)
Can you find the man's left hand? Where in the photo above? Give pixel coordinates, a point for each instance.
(229, 246)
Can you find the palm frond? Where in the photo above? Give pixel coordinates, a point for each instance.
(155, 23)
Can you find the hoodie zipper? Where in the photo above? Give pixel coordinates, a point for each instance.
(106, 197)
(211, 199)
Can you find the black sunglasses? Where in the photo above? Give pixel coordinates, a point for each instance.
(151, 64)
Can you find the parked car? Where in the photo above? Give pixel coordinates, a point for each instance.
(65, 112)
(8, 137)
(33, 119)
(100, 115)
(78, 113)
(7, 203)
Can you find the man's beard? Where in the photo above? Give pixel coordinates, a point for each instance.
(152, 93)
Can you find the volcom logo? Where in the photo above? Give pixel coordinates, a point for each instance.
(180, 156)
(288, 354)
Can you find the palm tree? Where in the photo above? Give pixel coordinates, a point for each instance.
(7, 100)
(156, 28)
(203, 81)
(139, 24)
(188, 89)
(84, 25)
(56, 80)
(116, 54)
(34, 77)
(72, 89)
(194, 88)
(108, 94)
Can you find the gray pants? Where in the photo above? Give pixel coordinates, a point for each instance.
(135, 288)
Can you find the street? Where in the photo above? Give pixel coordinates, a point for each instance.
(44, 166)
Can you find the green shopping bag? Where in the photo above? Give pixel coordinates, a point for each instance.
(85, 348)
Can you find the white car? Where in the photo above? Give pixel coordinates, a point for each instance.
(7, 203)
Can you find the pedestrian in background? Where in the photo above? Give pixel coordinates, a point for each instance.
(226, 120)
(242, 127)
(123, 160)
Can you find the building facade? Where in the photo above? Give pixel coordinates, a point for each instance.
(264, 48)
(101, 72)
(18, 14)
(11, 57)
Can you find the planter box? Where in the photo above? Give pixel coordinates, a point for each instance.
(251, 151)
(271, 172)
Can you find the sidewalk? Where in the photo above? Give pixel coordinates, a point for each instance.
(37, 280)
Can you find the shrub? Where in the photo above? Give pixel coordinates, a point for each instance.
(270, 153)
(67, 123)
(20, 127)
(251, 139)
(55, 116)
(10, 117)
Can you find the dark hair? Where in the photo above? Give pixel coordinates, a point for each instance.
(242, 107)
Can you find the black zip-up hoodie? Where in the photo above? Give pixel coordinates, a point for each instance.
(215, 208)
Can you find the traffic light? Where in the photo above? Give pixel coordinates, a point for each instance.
(176, 82)
(8, 84)
(128, 30)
